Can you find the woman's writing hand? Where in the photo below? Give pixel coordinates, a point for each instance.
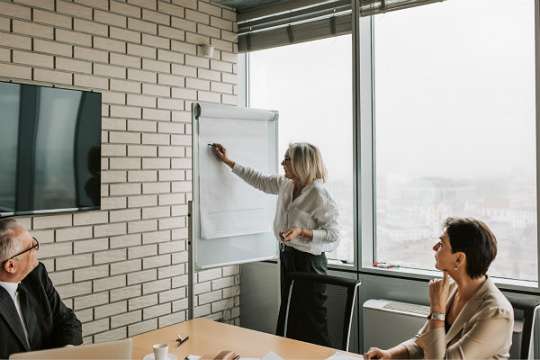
(290, 234)
(221, 153)
(376, 353)
(438, 293)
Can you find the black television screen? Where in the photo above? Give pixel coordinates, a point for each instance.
(50, 146)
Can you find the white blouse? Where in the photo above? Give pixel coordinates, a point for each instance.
(314, 209)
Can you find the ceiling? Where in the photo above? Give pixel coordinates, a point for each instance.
(242, 5)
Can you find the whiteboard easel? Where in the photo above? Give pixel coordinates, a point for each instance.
(233, 125)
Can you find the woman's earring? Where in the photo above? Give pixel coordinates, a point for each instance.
(455, 267)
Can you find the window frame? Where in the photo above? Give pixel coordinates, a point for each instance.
(363, 37)
(364, 206)
(244, 91)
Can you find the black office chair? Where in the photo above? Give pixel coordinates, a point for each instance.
(345, 288)
(529, 306)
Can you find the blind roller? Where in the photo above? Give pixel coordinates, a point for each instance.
(318, 20)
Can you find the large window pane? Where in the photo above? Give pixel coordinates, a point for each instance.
(455, 129)
(310, 84)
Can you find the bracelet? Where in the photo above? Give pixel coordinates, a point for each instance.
(434, 315)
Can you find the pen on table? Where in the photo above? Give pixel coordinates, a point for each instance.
(180, 340)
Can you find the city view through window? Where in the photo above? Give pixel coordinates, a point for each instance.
(310, 84)
(454, 125)
(455, 129)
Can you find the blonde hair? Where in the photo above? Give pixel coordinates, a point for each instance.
(306, 162)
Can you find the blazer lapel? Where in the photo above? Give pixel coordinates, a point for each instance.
(27, 303)
(11, 317)
(467, 312)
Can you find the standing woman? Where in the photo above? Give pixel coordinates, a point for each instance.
(306, 226)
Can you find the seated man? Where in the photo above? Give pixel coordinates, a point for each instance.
(32, 315)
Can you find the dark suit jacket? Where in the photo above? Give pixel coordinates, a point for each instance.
(49, 323)
(482, 330)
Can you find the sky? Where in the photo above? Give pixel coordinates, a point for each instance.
(454, 96)
(448, 91)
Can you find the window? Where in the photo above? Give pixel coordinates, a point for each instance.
(310, 84)
(454, 129)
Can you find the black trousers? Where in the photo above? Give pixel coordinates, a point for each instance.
(308, 319)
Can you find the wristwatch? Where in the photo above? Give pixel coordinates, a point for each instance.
(437, 316)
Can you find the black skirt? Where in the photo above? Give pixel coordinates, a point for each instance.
(308, 319)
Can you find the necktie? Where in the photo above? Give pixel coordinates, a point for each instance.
(28, 316)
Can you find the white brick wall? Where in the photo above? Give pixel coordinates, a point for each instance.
(123, 269)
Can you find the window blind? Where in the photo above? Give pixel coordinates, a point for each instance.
(301, 21)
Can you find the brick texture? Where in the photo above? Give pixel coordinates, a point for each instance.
(124, 268)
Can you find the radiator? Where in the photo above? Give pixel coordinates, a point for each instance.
(386, 323)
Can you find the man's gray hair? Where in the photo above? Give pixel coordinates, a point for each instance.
(8, 245)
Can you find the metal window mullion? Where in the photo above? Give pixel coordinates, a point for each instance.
(370, 120)
(364, 141)
(244, 83)
(362, 90)
(355, 25)
(537, 124)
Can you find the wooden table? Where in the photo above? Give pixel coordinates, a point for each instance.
(210, 337)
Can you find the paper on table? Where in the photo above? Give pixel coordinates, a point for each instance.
(342, 355)
(269, 356)
(229, 206)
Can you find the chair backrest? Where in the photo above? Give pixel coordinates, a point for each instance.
(529, 306)
(120, 349)
(348, 286)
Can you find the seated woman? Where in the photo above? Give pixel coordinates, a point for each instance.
(470, 318)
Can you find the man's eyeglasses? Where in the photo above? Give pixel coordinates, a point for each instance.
(34, 246)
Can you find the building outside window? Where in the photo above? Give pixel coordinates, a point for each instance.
(454, 119)
(451, 124)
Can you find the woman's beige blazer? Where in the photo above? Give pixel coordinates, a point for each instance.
(482, 330)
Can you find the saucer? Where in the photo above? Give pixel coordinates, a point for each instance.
(151, 356)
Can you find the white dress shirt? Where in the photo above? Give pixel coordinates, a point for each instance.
(11, 288)
(314, 209)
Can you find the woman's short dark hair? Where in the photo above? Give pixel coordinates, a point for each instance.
(475, 239)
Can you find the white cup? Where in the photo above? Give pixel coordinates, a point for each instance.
(160, 351)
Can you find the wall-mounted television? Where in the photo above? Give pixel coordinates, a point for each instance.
(50, 149)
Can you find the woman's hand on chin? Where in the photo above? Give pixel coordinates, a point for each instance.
(438, 293)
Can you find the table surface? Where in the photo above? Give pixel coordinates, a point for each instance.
(210, 337)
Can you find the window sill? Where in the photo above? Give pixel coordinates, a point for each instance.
(530, 287)
(419, 274)
(340, 264)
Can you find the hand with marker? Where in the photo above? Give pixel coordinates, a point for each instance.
(221, 153)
